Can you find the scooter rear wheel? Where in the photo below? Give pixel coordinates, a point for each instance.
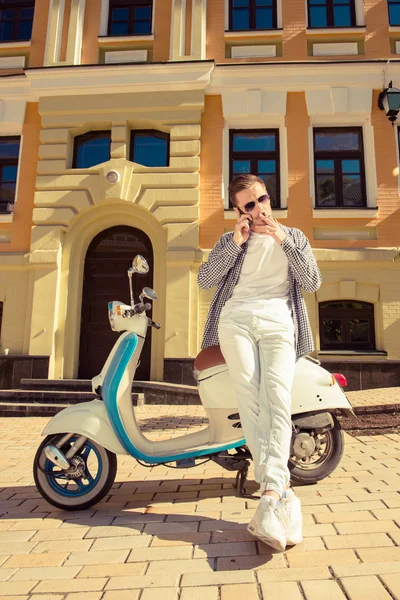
(324, 455)
(92, 473)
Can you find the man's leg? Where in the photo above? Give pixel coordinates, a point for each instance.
(277, 361)
(241, 354)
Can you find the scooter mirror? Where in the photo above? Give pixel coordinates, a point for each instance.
(149, 293)
(139, 264)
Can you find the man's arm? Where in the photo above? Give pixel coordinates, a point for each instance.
(222, 258)
(302, 260)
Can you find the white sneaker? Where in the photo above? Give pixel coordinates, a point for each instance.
(291, 506)
(268, 523)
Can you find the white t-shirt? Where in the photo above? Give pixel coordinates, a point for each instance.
(263, 281)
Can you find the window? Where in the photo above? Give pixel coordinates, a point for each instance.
(91, 149)
(331, 13)
(394, 12)
(245, 15)
(256, 151)
(149, 148)
(346, 325)
(130, 17)
(16, 20)
(9, 152)
(339, 168)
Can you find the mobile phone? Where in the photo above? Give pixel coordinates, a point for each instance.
(248, 217)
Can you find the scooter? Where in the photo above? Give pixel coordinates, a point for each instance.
(75, 465)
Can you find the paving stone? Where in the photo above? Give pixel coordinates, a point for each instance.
(365, 587)
(240, 591)
(392, 582)
(113, 570)
(369, 568)
(383, 554)
(323, 557)
(158, 593)
(329, 590)
(122, 595)
(6, 574)
(216, 578)
(142, 581)
(293, 574)
(228, 549)
(199, 565)
(70, 585)
(66, 546)
(15, 588)
(111, 531)
(344, 517)
(287, 590)
(121, 543)
(104, 557)
(40, 573)
(181, 539)
(271, 561)
(195, 593)
(150, 554)
(80, 596)
(357, 540)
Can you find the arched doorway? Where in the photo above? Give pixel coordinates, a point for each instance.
(108, 259)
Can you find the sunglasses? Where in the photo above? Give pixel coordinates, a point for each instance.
(250, 206)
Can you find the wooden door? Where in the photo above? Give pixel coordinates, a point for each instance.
(108, 259)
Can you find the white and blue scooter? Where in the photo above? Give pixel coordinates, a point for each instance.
(75, 465)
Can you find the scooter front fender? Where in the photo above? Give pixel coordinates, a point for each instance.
(89, 419)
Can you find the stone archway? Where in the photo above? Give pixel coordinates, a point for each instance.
(108, 258)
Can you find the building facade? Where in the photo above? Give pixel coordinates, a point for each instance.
(121, 124)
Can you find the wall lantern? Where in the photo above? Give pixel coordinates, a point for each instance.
(389, 101)
(113, 177)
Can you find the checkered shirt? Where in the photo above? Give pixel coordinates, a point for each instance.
(223, 270)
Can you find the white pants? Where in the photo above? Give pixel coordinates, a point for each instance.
(258, 347)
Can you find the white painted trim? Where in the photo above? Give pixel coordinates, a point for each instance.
(203, 26)
(105, 7)
(8, 218)
(253, 51)
(360, 12)
(335, 49)
(397, 47)
(121, 56)
(336, 30)
(350, 213)
(345, 120)
(104, 41)
(278, 14)
(60, 22)
(12, 62)
(394, 29)
(12, 45)
(261, 123)
(264, 33)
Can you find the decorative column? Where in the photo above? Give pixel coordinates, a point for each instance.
(55, 33)
(183, 30)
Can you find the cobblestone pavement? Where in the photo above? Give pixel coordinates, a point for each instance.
(377, 397)
(167, 534)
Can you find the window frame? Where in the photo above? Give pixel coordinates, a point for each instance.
(252, 17)
(330, 15)
(85, 137)
(324, 312)
(257, 156)
(24, 4)
(6, 162)
(155, 133)
(131, 5)
(337, 156)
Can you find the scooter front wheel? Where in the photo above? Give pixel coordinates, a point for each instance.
(315, 455)
(89, 478)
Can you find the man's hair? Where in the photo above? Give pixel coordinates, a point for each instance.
(242, 182)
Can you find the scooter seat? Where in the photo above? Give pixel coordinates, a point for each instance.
(209, 357)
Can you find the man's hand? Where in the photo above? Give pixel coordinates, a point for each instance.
(242, 228)
(271, 228)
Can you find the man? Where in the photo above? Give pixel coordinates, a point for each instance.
(259, 318)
